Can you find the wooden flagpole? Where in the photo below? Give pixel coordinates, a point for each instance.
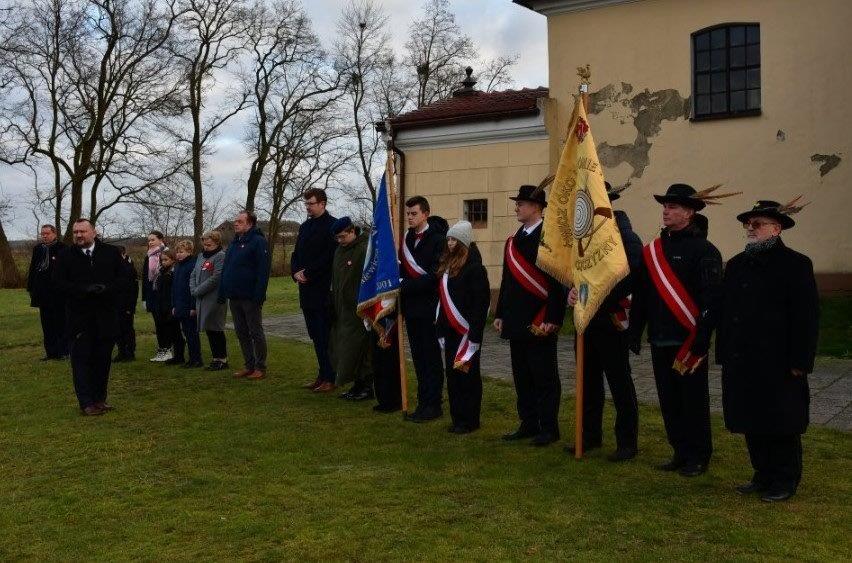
(580, 354)
(400, 322)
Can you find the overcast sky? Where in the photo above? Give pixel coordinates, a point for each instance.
(497, 27)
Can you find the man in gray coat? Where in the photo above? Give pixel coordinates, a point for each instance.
(204, 286)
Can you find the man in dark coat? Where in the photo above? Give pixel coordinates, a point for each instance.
(766, 343)
(91, 276)
(310, 265)
(245, 277)
(126, 341)
(606, 352)
(419, 256)
(676, 292)
(530, 310)
(43, 294)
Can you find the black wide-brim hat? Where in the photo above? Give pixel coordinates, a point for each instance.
(769, 209)
(682, 194)
(530, 193)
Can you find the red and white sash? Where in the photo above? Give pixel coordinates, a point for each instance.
(412, 268)
(678, 301)
(621, 317)
(466, 349)
(528, 276)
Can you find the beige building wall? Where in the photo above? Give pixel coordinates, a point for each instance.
(640, 54)
(448, 176)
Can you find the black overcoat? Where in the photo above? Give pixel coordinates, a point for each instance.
(40, 281)
(471, 294)
(314, 253)
(516, 306)
(75, 277)
(768, 326)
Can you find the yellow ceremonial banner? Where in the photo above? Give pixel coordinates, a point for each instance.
(580, 243)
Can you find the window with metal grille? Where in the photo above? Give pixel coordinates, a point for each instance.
(476, 211)
(726, 71)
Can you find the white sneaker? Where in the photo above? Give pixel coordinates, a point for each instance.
(161, 356)
(167, 354)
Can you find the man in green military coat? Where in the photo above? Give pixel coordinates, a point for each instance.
(350, 341)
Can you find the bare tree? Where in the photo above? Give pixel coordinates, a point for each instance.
(10, 277)
(213, 34)
(496, 73)
(437, 51)
(90, 85)
(291, 81)
(363, 51)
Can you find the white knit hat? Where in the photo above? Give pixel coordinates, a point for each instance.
(462, 232)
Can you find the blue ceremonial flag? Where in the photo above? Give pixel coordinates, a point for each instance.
(380, 279)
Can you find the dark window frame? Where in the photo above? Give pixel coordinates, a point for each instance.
(468, 213)
(696, 74)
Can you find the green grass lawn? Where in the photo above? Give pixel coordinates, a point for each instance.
(193, 465)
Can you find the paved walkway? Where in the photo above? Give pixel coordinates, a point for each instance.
(831, 382)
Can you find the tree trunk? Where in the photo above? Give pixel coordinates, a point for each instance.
(10, 277)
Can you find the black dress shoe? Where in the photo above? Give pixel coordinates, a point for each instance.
(362, 395)
(520, 434)
(544, 439)
(425, 415)
(572, 449)
(693, 469)
(750, 487)
(460, 429)
(622, 454)
(174, 362)
(776, 496)
(386, 408)
(673, 465)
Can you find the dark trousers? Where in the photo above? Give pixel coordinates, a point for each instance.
(248, 324)
(534, 369)
(126, 340)
(386, 384)
(53, 328)
(464, 390)
(685, 404)
(189, 328)
(606, 353)
(428, 363)
(91, 358)
(165, 338)
(172, 336)
(776, 459)
(218, 344)
(318, 323)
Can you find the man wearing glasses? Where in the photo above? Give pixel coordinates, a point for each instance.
(766, 343)
(310, 267)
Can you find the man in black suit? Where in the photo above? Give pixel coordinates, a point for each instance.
(91, 276)
(310, 266)
(530, 310)
(419, 256)
(43, 294)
